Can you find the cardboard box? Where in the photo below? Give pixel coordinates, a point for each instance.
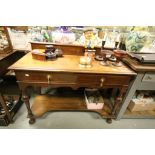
(93, 105)
(141, 105)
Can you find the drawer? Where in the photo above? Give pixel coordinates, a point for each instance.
(45, 77)
(149, 77)
(81, 80)
(103, 80)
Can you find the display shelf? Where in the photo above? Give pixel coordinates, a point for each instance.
(142, 105)
(139, 114)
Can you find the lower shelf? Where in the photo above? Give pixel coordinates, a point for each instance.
(43, 103)
(139, 114)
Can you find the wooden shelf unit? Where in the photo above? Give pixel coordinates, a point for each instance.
(139, 114)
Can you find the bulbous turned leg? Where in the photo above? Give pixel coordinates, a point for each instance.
(109, 120)
(30, 115)
(32, 121)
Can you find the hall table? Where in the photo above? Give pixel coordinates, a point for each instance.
(66, 72)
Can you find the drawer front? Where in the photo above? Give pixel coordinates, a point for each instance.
(149, 77)
(103, 80)
(46, 77)
(81, 80)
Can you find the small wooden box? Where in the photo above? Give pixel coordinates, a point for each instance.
(38, 54)
(38, 57)
(141, 106)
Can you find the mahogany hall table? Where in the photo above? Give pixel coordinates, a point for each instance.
(66, 72)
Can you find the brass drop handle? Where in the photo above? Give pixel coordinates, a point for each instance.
(49, 78)
(27, 75)
(102, 80)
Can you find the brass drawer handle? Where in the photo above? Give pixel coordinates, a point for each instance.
(49, 77)
(102, 80)
(27, 75)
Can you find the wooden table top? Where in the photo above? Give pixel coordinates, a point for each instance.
(68, 63)
(137, 66)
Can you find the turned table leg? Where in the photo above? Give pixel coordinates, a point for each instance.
(30, 114)
(118, 100)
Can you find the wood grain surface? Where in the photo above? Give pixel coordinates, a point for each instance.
(139, 114)
(69, 63)
(44, 103)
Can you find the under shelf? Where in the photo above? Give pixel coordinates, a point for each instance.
(44, 103)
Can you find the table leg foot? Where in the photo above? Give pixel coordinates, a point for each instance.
(109, 120)
(32, 121)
